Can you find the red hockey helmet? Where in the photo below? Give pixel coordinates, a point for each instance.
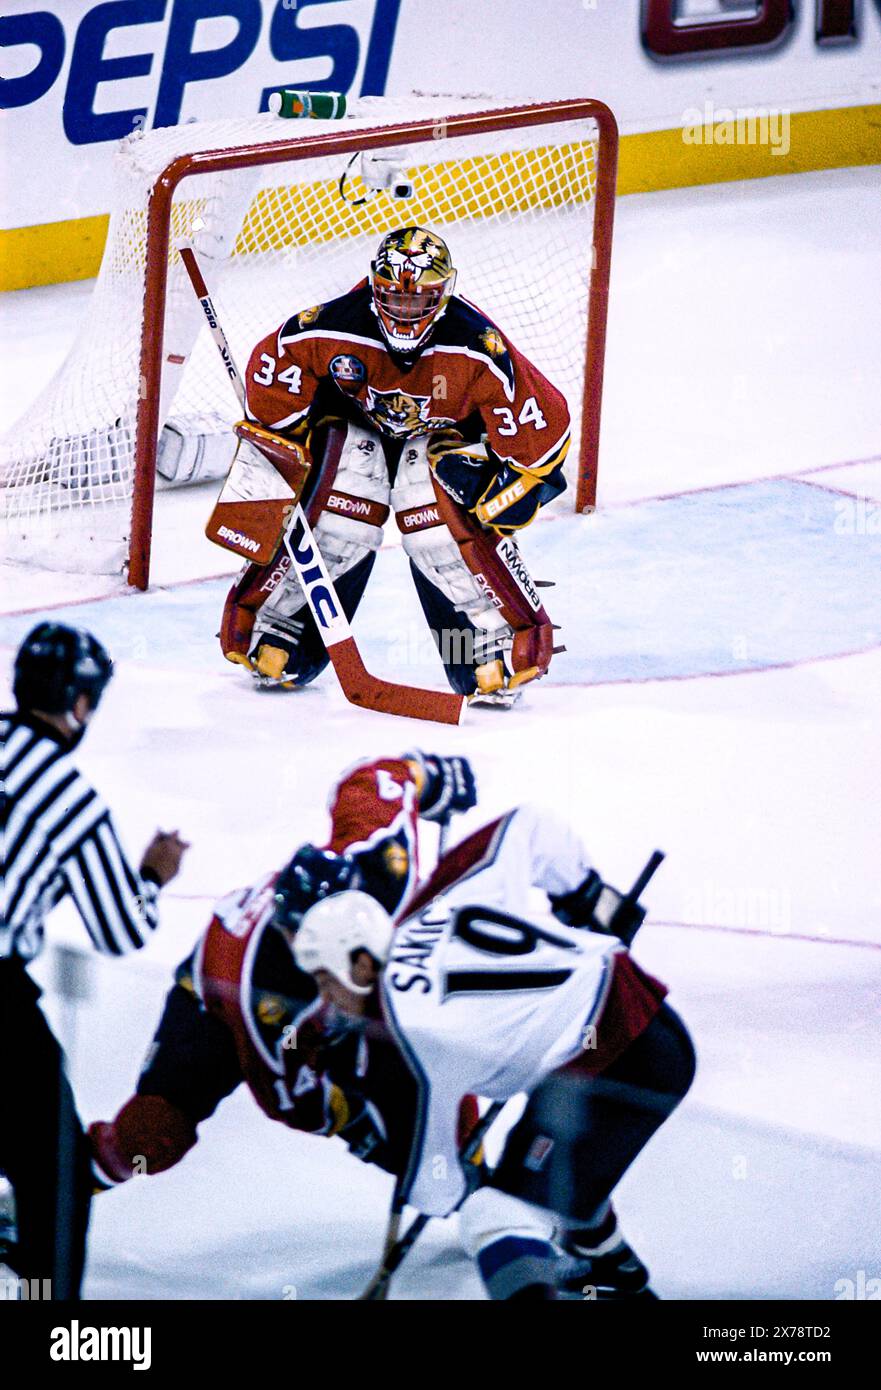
(412, 278)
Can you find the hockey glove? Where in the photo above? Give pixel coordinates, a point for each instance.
(366, 1134)
(513, 497)
(443, 442)
(446, 785)
(600, 908)
(463, 470)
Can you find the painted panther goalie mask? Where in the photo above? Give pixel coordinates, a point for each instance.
(412, 279)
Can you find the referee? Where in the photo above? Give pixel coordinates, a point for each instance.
(57, 840)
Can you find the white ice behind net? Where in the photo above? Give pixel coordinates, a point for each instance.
(515, 205)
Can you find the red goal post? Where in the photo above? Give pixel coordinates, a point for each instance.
(335, 143)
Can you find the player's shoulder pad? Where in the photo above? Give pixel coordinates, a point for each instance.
(465, 326)
(348, 313)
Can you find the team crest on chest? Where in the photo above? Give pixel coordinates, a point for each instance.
(398, 413)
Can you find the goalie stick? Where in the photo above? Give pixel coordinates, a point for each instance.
(358, 685)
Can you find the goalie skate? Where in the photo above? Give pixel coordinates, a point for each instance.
(495, 699)
(276, 640)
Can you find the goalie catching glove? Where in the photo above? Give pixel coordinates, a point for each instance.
(498, 494)
(463, 470)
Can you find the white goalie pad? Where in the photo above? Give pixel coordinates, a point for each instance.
(433, 550)
(344, 537)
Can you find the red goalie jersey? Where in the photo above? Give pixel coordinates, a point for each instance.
(332, 359)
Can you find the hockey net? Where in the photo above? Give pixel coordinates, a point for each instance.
(524, 196)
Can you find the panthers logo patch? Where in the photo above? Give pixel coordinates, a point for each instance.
(270, 1009)
(397, 860)
(397, 413)
(493, 342)
(309, 315)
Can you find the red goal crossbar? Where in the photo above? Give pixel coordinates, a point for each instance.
(158, 249)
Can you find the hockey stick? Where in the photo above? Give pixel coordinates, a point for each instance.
(395, 1255)
(443, 837)
(358, 685)
(377, 1291)
(631, 898)
(655, 861)
(393, 1228)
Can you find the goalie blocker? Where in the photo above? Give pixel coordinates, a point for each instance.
(266, 479)
(481, 604)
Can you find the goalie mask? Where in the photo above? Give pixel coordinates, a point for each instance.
(412, 279)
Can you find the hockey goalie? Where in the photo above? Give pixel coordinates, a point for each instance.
(406, 398)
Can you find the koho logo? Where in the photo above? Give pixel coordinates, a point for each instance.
(510, 556)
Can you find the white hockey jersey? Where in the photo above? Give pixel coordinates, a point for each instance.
(487, 993)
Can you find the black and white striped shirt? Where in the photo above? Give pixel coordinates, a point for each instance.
(57, 838)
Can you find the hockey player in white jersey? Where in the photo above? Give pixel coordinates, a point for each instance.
(509, 973)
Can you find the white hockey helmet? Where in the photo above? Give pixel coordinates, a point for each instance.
(338, 926)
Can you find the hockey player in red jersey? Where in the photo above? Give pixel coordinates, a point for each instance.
(241, 1011)
(409, 399)
(487, 994)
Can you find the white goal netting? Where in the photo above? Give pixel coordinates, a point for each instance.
(516, 206)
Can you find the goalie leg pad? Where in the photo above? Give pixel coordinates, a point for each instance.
(266, 623)
(256, 584)
(500, 571)
(295, 654)
(459, 643)
(470, 581)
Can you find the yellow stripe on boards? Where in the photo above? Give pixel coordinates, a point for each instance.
(837, 139)
(840, 138)
(53, 253)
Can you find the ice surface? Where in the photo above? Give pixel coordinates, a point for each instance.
(719, 698)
